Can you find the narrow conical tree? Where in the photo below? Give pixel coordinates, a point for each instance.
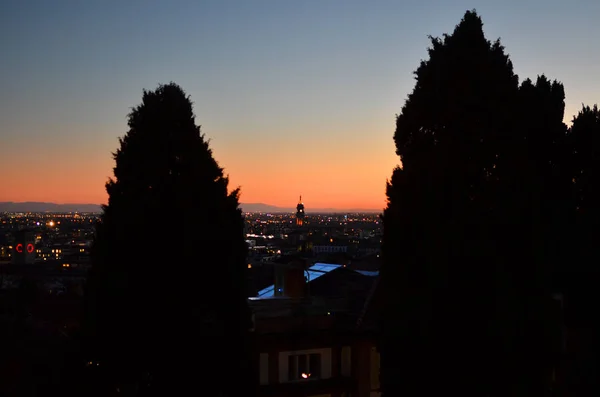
(166, 297)
(451, 321)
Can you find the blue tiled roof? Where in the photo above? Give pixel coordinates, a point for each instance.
(267, 292)
(368, 273)
(314, 272)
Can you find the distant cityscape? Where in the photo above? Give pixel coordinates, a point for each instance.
(62, 240)
(45, 207)
(317, 268)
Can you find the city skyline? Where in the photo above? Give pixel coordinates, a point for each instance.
(295, 98)
(48, 207)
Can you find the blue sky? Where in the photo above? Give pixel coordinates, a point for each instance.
(284, 87)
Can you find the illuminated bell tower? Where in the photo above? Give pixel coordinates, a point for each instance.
(299, 212)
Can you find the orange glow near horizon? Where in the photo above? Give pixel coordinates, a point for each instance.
(294, 98)
(340, 172)
(344, 175)
(347, 169)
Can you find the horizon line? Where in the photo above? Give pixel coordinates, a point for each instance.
(276, 209)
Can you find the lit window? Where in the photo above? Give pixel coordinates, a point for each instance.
(304, 367)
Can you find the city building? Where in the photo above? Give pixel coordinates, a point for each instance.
(23, 251)
(300, 213)
(312, 333)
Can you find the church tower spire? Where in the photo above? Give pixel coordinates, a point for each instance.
(300, 212)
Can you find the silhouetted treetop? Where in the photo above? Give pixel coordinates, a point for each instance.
(540, 143)
(584, 136)
(545, 93)
(464, 75)
(164, 137)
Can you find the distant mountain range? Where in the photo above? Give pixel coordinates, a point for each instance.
(33, 206)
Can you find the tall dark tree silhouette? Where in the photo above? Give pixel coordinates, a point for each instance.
(584, 136)
(580, 275)
(455, 227)
(166, 298)
(536, 206)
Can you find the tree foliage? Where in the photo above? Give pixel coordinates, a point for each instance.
(469, 219)
(578, 277)
(160, 304)
(584, 136)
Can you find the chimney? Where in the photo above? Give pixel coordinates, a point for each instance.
(290, 280)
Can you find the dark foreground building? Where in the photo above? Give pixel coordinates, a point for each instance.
(313, 334)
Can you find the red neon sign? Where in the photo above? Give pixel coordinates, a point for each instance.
(30, 248)
(19, 248)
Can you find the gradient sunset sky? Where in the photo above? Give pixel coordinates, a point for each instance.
(297, 96)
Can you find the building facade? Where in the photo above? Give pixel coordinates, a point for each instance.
(312, 343)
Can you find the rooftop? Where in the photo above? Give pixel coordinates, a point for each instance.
(314, 272)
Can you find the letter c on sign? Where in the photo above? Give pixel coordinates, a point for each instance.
(30, 248)
(19, 248)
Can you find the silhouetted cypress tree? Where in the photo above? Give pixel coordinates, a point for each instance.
(458, 257)
(539, 185)
(166, 297)
(581, 275)
(584, 136)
